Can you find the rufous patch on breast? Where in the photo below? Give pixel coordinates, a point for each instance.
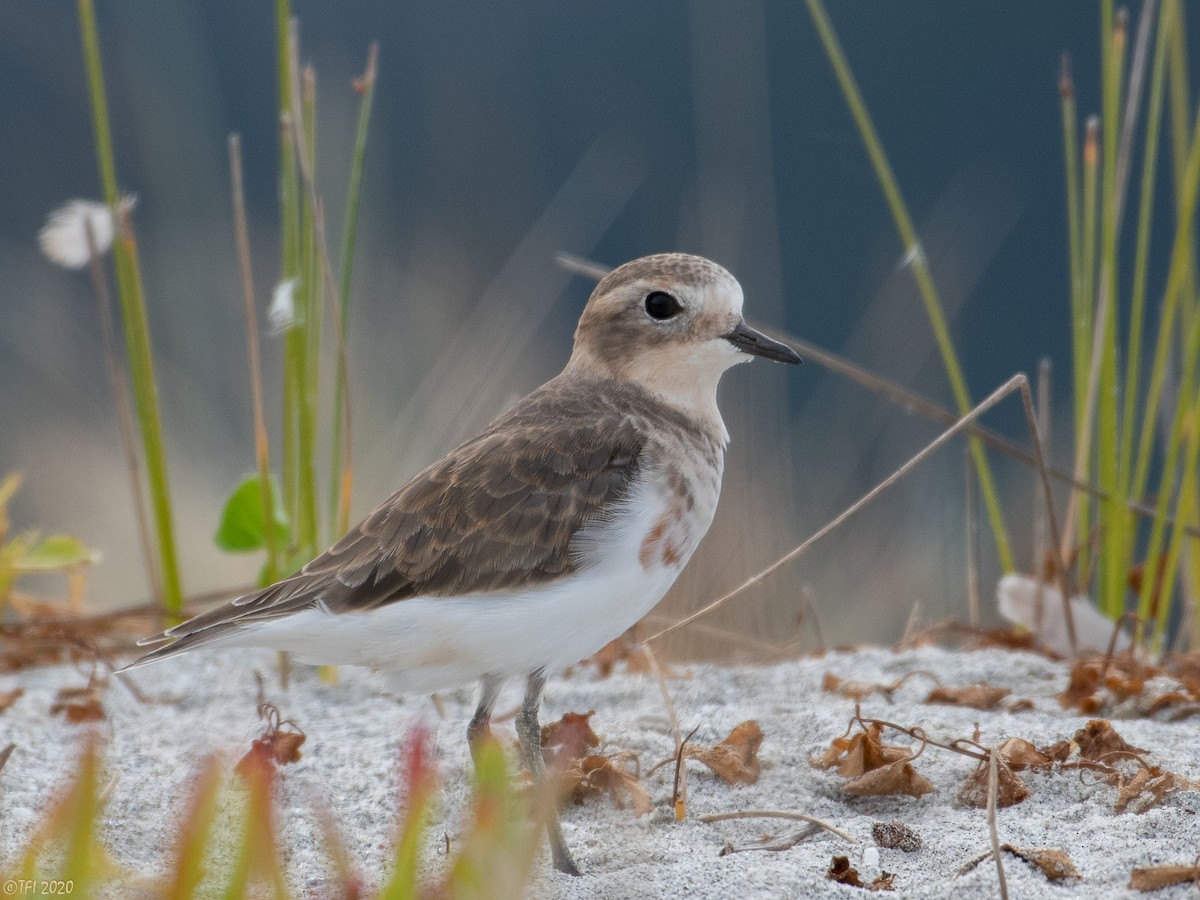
(650, 542)
(660, 545)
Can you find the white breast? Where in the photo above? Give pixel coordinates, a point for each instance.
(425, 644)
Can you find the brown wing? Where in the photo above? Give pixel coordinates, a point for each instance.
(497, 513)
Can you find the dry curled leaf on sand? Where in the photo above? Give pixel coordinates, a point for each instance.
(568, 739)
(860, 690)
(1098, 738)
(1010, 789)
(1055, 864)
(1151, 786)
(8, 698)
(899, 777)
(875, 769)
(1018, 753)
(1154, 878)
(975, 696)
(862, 752)
(278, 745)
(615, 775)
(734, 759)
(842, 872)
(1101, 683)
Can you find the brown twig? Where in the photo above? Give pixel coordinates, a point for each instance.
(778, 814)
(1018, 382)
(972, 537)
(680, 778)
(993, 831)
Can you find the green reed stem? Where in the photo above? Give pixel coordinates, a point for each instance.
(1113, 574)
(1085, 324)
(289, 203)
(1182, 424)
(133, 315)
(1176, 276)
(309, 332)
(1137, 312)
(924, 279)
(339, 481)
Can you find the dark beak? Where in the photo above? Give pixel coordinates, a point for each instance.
(756, 343)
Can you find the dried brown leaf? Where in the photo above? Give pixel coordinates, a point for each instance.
(1081, 689)
(595, 775)
(1098, 737)
(1010, 790)
(1018, 753)
(842, 872)
(855, 690)
(278, 745)
(975, 696)
(569, 738)
(1059, 751)
(1056, 865)
(855, 754)
(1152, 781)
(899, 777)
(735, 759)
(1153, 878)
(8, 698)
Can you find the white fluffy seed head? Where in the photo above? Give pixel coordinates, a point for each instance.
(63, 238)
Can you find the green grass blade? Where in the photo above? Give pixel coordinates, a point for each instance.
(133, 315)
(1137, 311)
(1180, 266)
(308, 335)
(339, 481)
(1113, 574)
(924, 279)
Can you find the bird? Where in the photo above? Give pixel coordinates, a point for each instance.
(549, 534)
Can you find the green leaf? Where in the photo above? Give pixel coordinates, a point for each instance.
(58, 551)
(242, 528)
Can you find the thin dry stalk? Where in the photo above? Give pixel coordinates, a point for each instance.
(679, 790)
(914, 618)
(680, 798)
(972, 533)
(993, 831)
(120, 389)
(1018, 383)
(778, 814)
(1043, 420)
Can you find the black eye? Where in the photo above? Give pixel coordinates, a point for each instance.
(661, 305)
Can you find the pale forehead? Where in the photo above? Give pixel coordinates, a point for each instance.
(667, 268)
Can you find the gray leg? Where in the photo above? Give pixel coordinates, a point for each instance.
(530, 734)
(480, 726)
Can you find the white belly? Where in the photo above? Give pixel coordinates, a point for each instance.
(425, 644)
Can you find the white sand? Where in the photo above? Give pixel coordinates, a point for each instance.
(350, 759)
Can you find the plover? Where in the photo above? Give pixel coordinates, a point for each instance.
(550, 533)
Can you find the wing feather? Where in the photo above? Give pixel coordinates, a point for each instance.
(497, 513)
